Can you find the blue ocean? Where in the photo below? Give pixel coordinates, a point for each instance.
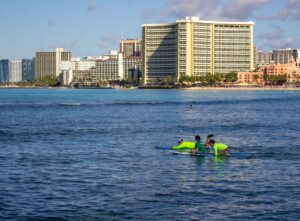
(90, 155)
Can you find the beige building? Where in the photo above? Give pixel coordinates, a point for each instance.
(130, 48)
(194, 47)
(47, 63)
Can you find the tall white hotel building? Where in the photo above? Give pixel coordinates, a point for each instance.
(195, 47)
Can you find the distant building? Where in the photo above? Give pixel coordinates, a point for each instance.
(15, 71)
(67, 69)
(28, 70)
(47, 63)
(293, 72)
(108, 69)
(282, 56)
(131, 64)
(264, 57)
(192, 47)
(254, 56)
(296, 56)
(130, 48)
(276, 69)
(251, 77)
(4, 70)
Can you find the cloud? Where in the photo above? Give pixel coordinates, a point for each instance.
(93, 6)
(276, 39)
(108, 40)
(213, 9)
(288, 42)
(289, 11)
(271, 35)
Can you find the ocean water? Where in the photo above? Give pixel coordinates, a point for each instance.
(90, 155)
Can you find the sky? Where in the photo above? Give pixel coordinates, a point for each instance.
(92, 27)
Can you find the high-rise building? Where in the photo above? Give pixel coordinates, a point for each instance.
(254, 56)
(264, 57)
(296, 55)
(47, 63)
(130, 47)
(28, 70)
(282, 56)
(15, 71)
(192, 47)
(4, 70)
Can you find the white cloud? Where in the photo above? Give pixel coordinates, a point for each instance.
(276, 39)
(289, 11)
(214, 9)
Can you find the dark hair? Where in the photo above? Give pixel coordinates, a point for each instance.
(197, 137)
(212, 142)
(210, 136)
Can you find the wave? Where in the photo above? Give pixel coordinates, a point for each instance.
(142, 103)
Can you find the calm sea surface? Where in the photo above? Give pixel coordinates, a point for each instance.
(90, 155)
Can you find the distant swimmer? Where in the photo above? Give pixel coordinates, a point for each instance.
(219, 148)
(199, 147)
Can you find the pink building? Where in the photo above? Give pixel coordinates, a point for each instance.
(250, 77)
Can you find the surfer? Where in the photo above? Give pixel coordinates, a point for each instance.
(219, 148)
(199, 147)
(208, 139)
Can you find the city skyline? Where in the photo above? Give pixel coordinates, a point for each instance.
(92, 27)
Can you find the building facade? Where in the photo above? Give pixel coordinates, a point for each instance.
(296, 56)
(4, 70)
(15, 71)
(282, 56)
(251, 77)
(130, 48)
(192, 47)
(276, 69)
(131, 64)
(106, 70)
(47, 63)
(28, 70)
(264, 57)
(67, 69)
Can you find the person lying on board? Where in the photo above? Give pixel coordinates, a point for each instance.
(220, 149)
(199, 147)
(208, 139)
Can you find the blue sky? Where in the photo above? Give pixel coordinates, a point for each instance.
(92, 27)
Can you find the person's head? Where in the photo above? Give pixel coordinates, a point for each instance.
(180, 141)
(210, 136)
(211, 142)
(197, 138)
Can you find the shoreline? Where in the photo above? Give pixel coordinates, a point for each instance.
(242, 88)
(171, 88)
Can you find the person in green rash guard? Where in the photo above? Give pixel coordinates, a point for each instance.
(199, 147)
(219, 148)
